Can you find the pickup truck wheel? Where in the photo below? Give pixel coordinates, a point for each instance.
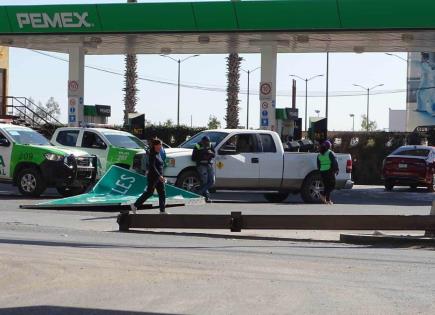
(71, 191)
(312, 188)
(431, 187)
(189, 180)
(389, 185)
(30, 182)
(276, 197)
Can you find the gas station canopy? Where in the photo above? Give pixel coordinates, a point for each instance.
(222, 27)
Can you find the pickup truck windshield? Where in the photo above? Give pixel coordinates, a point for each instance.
(24, 136)
(215, 139)
(124, 141)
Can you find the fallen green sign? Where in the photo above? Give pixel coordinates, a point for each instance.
(119, 187)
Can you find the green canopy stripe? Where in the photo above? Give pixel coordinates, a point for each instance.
(240, 16)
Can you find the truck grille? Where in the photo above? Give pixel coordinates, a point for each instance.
(84, 161)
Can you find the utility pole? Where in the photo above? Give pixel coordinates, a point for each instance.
(306, 94)
(248, 72)
(368, 101)
(179, 61)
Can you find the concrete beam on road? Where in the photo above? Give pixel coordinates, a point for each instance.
(236, 222)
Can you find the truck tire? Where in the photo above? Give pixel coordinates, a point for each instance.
(71, 191)
(276, 197)
(189, 180)
(311, 188)
(389, 185)
(30, 182)
(431, 187)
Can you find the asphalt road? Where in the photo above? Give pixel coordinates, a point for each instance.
(75, 262)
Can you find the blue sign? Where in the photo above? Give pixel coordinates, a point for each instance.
(264, 122)
(265, 113)
(81, 100)
(72, 110)
(273, 103)
(72, 118)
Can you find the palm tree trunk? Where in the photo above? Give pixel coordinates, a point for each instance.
(130, 79)
(233, 87)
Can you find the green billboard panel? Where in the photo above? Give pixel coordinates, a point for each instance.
(215, 16)
(147, 17)
(119, 187)
(54, 19)
(4, 22)
(287, 15)
(387, 14)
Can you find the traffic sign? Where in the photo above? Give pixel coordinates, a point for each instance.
(264, 122)
(265, 105)
(265, 90)
(265, 113)
(73, 85)
(72, 118)
(72, 101)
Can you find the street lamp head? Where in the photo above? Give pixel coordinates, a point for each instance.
(352, 115)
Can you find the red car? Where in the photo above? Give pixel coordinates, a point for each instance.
(411, 165)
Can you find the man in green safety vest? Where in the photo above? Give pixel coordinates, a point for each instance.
(328, 167)
(203, 154)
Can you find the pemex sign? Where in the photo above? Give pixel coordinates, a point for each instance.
(62, 19)
(55, 20)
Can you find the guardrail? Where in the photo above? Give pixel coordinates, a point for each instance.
(237, 222)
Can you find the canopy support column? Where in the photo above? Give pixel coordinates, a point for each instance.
(268, 87)
(76, 80)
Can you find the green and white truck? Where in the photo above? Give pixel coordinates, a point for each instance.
(112, 147)
(29, 161)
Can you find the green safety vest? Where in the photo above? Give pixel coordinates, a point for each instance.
(325, 161)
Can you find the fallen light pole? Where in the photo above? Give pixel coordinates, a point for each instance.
(237, 222)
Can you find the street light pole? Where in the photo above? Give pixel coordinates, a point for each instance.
(368, 100)
(247, 98)
(353, 121)
(178, 96)
(179, 61)
(306, 93)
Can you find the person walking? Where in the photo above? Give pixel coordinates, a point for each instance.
(203, 154)
(155, 178)
(328, 166)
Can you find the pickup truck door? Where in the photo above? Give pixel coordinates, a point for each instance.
(6, 146)
(93, 144)
(237, 162)
(271, 162)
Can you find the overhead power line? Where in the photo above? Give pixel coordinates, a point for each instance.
(242, 91)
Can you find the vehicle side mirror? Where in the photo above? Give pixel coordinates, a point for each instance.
(228, 150)
(4, 143)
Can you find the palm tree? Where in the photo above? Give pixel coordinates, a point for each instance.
(130, 79)
(233, 87)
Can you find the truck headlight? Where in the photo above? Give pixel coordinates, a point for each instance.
(53, 157)
(170, 162)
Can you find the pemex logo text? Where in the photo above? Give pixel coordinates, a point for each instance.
(55, 20)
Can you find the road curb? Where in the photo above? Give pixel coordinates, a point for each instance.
(371, 239)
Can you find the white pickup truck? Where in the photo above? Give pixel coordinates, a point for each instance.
(255, 160)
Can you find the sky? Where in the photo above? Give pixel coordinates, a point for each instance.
(41, 77)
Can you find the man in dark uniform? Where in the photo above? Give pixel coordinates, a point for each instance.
(156, 181)
(203, 154)
(328, 166)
